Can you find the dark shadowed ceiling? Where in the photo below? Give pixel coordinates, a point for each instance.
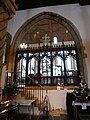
(28, 4)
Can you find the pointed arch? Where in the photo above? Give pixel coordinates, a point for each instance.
(58, 18)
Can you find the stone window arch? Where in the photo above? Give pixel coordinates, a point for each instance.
(24, 31)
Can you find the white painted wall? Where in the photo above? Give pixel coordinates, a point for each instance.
(78, 15)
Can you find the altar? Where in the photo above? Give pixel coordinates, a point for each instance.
(57, 98)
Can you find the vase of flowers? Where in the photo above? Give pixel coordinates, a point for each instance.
(10, 91)
(82, 93)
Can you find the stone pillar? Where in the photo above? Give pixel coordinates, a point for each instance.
(7, 11)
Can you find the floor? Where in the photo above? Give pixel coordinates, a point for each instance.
(57, 114)
(26, 117)
(61, 117)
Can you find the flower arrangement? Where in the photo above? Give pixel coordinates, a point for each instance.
(82, 93)
(10, 90)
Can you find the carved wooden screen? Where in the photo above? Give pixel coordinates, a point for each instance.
(48, 65)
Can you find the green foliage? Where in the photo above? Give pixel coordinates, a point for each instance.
(82, 93)
(10, 89)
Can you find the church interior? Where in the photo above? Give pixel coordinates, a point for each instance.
(44, 60)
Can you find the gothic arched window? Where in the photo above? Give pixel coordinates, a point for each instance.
(53, 47)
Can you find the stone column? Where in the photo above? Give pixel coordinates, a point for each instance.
(7, 11)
